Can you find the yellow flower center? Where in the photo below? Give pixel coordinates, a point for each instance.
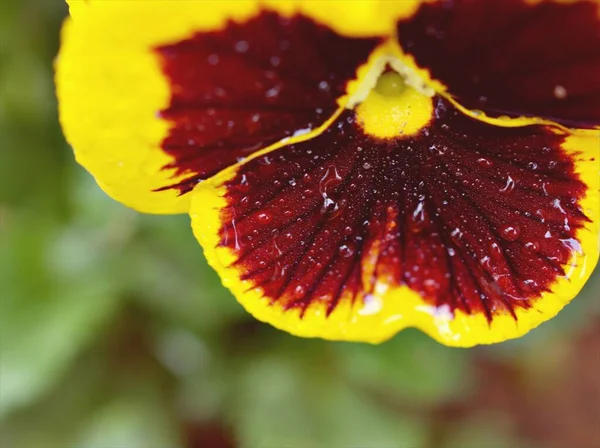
(393, 108)
(390, 84)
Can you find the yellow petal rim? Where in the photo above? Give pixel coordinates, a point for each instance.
(390, 309)
(110, 85)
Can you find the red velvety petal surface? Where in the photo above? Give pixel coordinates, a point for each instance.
(477, 217)
(249, 85)
(511, 56)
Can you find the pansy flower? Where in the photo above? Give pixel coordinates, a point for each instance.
(354, 168)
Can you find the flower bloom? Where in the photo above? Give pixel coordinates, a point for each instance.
(354, 168)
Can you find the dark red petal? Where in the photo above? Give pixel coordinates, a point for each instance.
(512, 57)
(476, 217)
(250, 85)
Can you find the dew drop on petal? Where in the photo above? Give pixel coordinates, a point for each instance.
(532, 246)
(430, 286)
(510, 232)
(242, 46)
(560, 92)
(299, 132)
(371, 305)
(299, 292)
(273, 92)
(330, 179)
(275, 61)
(540, 213)
(346, 250)
(486, 163)
(529, 285)
(263, 218)
(418, 217)
(509, 186)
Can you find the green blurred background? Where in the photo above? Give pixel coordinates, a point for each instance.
(115, 333)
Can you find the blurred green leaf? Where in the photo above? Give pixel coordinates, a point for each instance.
(39, 339)
(170, 275)
(289, 401)
(411, 366)
(56, 295)
(134, 420)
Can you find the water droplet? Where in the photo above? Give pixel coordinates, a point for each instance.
(510, 232)
(485, 263)
(236, 240)
(366, 165)
(439, 150)
(213, 59)
(573, 245)
(330, 179)
(495, 250)
(324, 85)
(346, 250)
(273, 92)
(560, 93)
(299, 292)
(540, 213)
(299, 132)
(486, 163)
(456, 233)
(263, 218)
(510, 185)
(529, 285)
(532, 166)
(242, 46)
(371, 305)
(430, 286)
(532, 246)
(418, 216)
(275, 61)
